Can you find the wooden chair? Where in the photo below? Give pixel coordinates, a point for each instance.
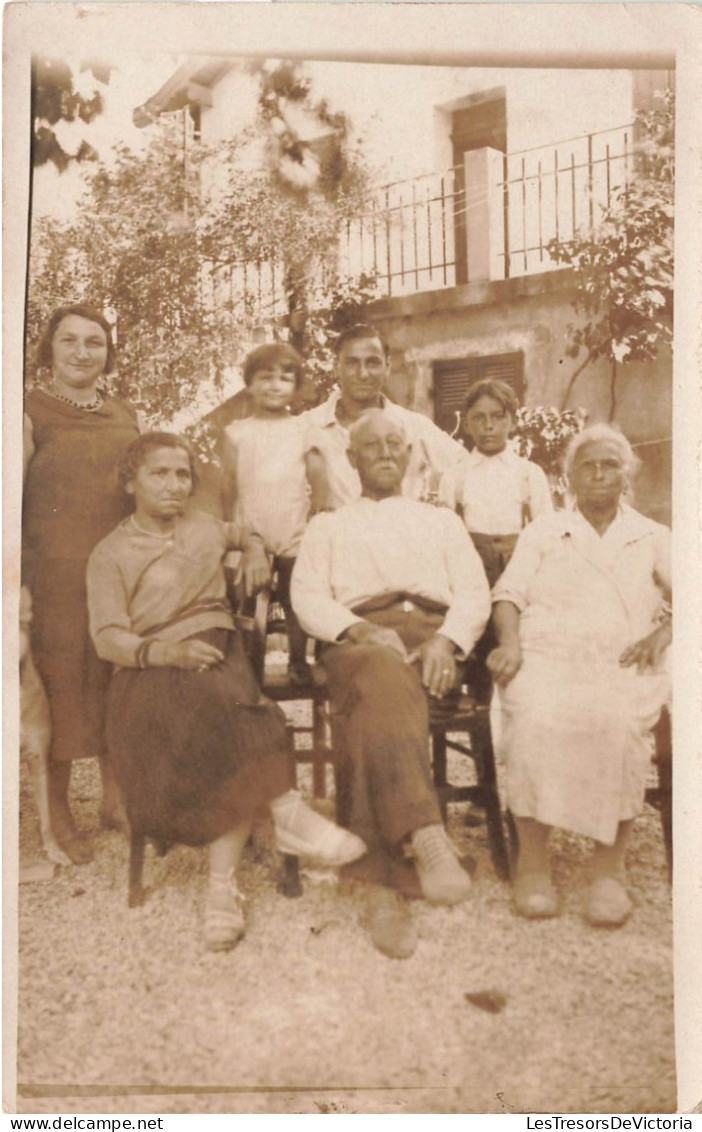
(249, 623)
(469, 716)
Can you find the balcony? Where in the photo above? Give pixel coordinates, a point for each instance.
(490, 218)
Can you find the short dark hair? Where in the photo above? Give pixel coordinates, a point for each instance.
(360, 330)
(133, 457)
(273, 354)
(45, 347)
(500, 391)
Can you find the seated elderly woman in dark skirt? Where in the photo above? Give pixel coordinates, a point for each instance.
(198, 752)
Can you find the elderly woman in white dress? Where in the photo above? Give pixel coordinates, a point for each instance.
(583, 624)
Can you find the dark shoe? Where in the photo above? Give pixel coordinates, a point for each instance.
(441, 877)
(389, 923)
(78, 849)
(115, 818)
(608, 904)
(534, 897)
(299, 674)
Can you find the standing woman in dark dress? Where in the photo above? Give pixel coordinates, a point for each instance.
(74, 435)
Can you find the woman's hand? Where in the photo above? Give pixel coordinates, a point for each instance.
(195, 656)
(648, 652)
(505, 661)
(255, 568)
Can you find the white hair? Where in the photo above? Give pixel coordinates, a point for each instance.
(362, 424)
(613, 435)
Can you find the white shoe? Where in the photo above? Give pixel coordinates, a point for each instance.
(224, 912)
(441, 877)
(302, 832)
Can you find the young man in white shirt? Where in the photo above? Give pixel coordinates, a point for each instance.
(362, 370)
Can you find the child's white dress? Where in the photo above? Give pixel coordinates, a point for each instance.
(272, 493)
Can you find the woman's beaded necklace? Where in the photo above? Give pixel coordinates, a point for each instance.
(86, 406)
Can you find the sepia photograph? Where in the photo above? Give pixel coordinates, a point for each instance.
(350, 464)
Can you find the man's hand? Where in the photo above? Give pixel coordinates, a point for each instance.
(505, 661)
(648, 652)
(255, 568)
(438, 662)
(193, 655)
(365, 633)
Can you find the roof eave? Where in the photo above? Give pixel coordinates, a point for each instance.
(188, 85)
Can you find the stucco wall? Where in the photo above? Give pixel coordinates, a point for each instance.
(532, 315)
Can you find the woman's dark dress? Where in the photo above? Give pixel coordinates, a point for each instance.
(71, 501)
(194, 752)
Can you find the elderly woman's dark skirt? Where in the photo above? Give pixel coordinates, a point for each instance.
(195, 753)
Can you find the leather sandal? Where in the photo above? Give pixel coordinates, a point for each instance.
(225, 923)
(535, 897)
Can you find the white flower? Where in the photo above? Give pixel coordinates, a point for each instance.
(620, 350)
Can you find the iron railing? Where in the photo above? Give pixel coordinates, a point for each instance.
(552, 192)
(412, 236)
(406, 238)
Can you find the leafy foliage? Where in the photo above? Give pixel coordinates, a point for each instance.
(624, 269)
(177, 243)
(334, 310)
(543, 434)
(123, 253)
(56, 100)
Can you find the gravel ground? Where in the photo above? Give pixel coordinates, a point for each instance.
(123, 1011)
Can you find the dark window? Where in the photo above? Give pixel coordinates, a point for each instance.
(453, 378)
(482, 124)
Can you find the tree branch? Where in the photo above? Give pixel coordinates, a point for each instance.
(573, 378)
(613, 391)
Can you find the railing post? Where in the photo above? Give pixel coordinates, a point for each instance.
(485, 239)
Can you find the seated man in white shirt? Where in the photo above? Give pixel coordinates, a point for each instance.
(397, 590)
(362, 369)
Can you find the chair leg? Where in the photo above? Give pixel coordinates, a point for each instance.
(292, 755)
(481, 735)
(439, 769)
(320, 746)
(137, 842)
(513, 837)
(662, 734)
(289, 883)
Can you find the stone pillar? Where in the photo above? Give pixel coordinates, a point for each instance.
(484, 214)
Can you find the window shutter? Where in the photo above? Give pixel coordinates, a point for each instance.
(453, 378)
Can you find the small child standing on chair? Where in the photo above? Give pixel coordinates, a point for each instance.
(495, 491)
(266, 475)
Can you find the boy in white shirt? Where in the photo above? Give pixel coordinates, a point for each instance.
(495, 491)
(267, 476)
